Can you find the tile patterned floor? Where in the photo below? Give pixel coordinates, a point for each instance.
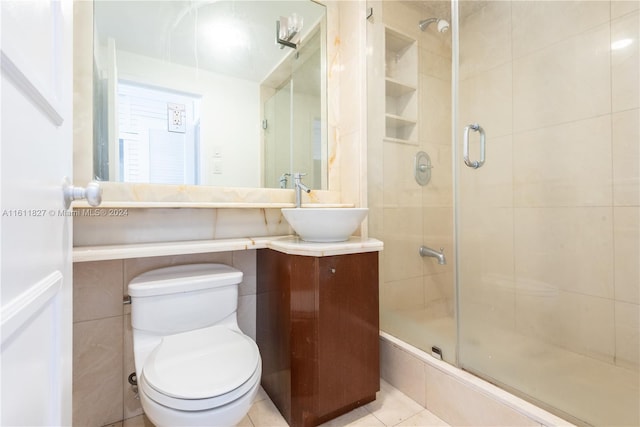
(391, 408)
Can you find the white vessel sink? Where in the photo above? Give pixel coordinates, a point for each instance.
(325, 224)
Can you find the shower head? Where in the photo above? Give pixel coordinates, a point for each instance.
(443, 25)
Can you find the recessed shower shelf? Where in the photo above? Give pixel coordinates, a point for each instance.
(401, 141)
(397, 42)
(396, 121)
(401, 87)
(397, 88)
(400, 128)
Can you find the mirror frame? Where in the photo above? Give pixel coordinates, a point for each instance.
(156, 195)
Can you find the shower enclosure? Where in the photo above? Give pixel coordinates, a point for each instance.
(293, 138)
(540, 293)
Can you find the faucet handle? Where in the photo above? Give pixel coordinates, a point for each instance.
(284, 180)
(298, 175)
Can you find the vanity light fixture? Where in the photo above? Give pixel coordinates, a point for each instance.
(288, 30)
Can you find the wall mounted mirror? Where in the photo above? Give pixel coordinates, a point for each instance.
(200, 92)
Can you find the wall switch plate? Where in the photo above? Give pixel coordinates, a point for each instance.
(217, 167)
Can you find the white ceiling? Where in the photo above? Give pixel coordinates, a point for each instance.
(236, 38)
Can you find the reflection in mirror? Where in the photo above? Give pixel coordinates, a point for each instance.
(200, 93)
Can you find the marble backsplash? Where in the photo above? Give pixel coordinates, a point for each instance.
(143, 213)
(118, 194)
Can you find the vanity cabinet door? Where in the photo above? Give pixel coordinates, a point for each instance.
(348, 331)
(318, 333)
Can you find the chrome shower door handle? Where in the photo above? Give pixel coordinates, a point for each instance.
(465, 147)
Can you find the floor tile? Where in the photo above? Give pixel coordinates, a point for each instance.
(424, 418)
(358, 417)
(264, 413)
(391, 406)
(139, 421)
(245, 422)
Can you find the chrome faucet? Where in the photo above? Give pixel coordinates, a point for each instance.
(425, 251)
(284, 180)
(299, 187)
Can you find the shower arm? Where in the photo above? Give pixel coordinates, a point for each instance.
(443, 24)
(426, 22)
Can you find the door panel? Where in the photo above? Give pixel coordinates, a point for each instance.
(347, 330)
(35, 231)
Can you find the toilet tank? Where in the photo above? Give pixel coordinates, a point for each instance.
(183, 297)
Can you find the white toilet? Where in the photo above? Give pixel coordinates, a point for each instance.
(194, 365)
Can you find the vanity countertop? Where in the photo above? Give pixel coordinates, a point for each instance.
(291, 245)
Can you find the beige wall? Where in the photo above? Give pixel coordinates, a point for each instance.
(347, 112)
(550, 225)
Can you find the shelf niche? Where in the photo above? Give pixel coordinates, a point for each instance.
(401, 87)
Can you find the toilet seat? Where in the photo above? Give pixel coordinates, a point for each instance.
(201, 369)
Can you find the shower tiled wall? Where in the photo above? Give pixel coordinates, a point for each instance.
(550, 225)
(102, 343)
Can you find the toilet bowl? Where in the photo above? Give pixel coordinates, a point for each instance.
(194, 365)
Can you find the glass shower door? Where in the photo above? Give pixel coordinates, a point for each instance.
(277, 138)
(547, 230)
(409, 109)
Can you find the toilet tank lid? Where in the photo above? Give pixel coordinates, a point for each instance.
(183, 278)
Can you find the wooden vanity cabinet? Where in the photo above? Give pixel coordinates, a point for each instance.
(318, 333)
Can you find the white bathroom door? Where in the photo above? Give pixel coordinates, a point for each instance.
(35, 230)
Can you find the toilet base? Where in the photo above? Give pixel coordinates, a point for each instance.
(223, 416)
